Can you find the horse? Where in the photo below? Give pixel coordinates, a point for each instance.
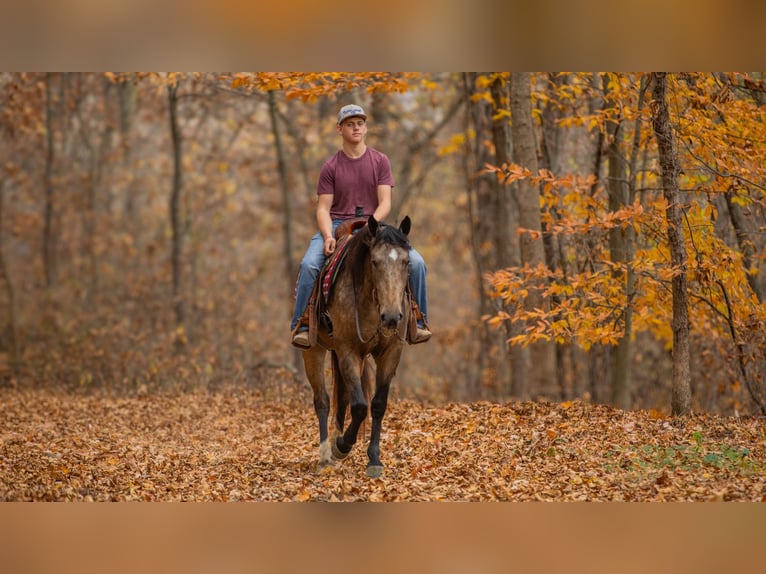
(368, 310)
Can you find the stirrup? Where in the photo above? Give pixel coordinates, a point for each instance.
(421, 336)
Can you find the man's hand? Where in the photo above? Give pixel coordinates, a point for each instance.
(329, 245)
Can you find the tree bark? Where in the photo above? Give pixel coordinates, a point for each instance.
(287, 213)
(620, 239)
(542, 353)
(5, 277)
(480, 211)
(287, 209)
(176, 252)
(48, 252)
(669, 166)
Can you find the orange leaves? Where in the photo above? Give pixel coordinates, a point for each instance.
(309, 86)
(585, 308)
(237, 445)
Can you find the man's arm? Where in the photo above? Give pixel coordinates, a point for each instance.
(324, 221)
(384, 203)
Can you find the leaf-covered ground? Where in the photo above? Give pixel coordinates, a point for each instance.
(237, 445)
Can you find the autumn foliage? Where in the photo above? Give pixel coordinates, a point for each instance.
(719, 124)
(138, 254)
(241, 444)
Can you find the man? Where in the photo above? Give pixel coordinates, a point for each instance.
(355, 176)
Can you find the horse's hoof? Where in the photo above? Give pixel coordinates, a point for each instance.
(336, 452)
(324, 466)
(374, 470)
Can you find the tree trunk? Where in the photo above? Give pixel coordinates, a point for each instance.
(619, 241)
(557, 245)
(48, 243)
(480, 202)
(681, 392)
(175, 213)
(5, 277)
(287, 209)
(504, 226)
(126, 94)
(542, 353)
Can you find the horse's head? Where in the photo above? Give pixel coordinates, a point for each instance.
(389, 261)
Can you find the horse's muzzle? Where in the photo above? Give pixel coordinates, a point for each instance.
(391, 320)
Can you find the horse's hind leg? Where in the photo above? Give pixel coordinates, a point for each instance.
(313, 360)
(340, 400)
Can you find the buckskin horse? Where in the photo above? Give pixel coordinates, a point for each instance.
(366, 316)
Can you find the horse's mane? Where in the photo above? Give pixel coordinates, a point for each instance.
(361, 243)
(391, 235)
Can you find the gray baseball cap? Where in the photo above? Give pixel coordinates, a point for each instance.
(351, 111)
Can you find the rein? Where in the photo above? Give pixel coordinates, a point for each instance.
(378, 329)
(356, 314)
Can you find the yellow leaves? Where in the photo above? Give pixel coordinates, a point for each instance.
(309, 86)
(584, 308)
(456, 144)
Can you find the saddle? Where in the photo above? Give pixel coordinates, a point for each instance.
(315, 314)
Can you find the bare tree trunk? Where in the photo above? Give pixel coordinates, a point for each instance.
(681, 392)
(480, 201)
(179, 307)
(504, 225)
(96, 144)
(287, 211)
(542, 353)
(48, 252)
(619, 240)
(556, 246)
(5, 277)
(126, 94)
(300, 145)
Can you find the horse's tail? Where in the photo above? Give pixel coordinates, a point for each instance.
(338, 386)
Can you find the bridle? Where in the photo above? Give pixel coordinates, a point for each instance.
(379, 329)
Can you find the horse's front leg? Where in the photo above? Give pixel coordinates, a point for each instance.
(386, 369)
(351, 367)
(379, 402)
(313, 361)
(341, 393)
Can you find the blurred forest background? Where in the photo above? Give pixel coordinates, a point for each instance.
(151, 225)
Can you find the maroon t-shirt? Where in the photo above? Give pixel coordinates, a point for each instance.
(354, 182)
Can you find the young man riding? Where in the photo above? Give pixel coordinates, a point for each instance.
(355, 176)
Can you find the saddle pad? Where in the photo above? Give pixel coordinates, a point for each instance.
(331, 268)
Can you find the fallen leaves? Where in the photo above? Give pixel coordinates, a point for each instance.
(236, 445)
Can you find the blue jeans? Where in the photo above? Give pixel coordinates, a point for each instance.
(312, 264)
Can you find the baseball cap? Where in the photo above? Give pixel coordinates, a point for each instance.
(350, 111)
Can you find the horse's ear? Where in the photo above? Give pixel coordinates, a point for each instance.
(372, 223)
(405, 225)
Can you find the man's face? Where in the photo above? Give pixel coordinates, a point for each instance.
(353, 129)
